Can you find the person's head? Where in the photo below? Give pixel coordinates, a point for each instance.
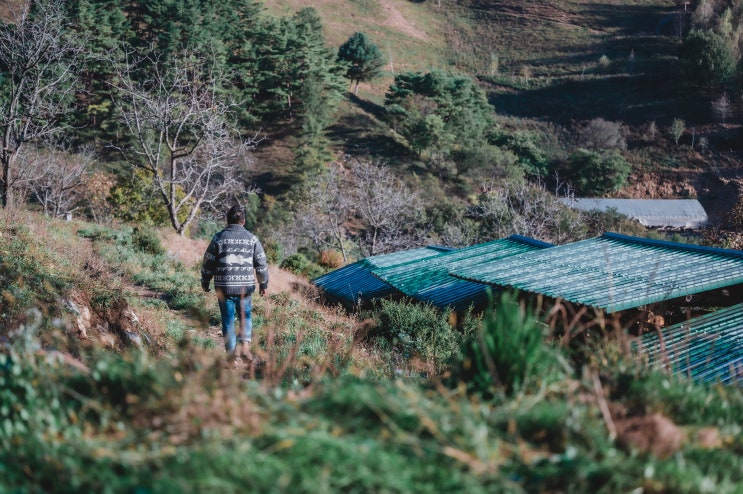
(236, 215)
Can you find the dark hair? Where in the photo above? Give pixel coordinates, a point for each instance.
(236, 215)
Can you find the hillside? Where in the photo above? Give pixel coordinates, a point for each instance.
(112, 373)
(542, 67)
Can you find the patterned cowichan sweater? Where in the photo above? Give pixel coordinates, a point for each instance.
(230, 259)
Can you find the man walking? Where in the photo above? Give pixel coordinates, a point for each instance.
(231, 259)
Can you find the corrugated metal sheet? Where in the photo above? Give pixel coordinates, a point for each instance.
(706, 349)
(428, 280)
(355, 283)
(658, 213)
(614, 272)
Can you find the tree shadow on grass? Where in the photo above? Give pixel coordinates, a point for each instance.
(633, 100)
(366, 133)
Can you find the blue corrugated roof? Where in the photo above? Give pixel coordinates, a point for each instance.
(428, 280)
(706, 349)
(355, 283)
(614, 272)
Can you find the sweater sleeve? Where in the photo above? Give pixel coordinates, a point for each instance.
(208, 264)
(260, 263)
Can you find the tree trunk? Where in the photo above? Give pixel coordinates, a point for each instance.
(5, 157)
(4, 180)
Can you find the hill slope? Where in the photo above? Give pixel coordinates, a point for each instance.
(551, 65)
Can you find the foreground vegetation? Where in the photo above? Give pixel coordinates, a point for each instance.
(112, 376)
(330, 409)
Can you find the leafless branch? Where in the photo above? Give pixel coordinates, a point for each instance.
(58, 177)
(40, 61)
(182, 128)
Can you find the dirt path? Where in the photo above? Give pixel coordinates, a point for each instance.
(190, 252)
(396, 21)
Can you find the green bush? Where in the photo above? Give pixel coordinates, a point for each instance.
(707, 58)
(206, 229)
(526, 147)
(510, 352)
(299, 264)
(274, 251)
(134, 200)
(295, 263)
(417, 330)
(596, 174)
(146, 240)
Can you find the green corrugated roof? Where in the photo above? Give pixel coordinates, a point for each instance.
(355, 282)
(707, 348)
(428, 279)
(613, 272)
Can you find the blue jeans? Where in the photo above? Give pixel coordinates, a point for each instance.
(228, 309)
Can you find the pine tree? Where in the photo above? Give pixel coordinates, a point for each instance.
(364, 58)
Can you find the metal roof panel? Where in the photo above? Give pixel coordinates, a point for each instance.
(675, 213)
(708, 348)
(613, 272)
(354, 282)
(428, 279)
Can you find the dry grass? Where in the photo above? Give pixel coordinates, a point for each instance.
(411, 35)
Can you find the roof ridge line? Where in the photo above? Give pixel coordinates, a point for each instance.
(676, 245)
(529, 241)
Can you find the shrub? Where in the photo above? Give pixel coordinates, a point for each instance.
(206, 229)
(417, 330)
(274, 251)
(146, 239)
(600, 135)
(331, 259)
(707, 58)
(133, 200)
(596, 174)
(527, 146)
(299, 264)
(295, 263)
(678, 127)
(509, 353)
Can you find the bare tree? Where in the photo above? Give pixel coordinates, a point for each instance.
(722, 106)
(600, 134)
(325, 210)
(59, 178)
(38, 62)
(678, 127)
(359, 196)
(651, 131)
(21, 178)
(703, 14)
(181, 127)
(530, 210)
(389, 209)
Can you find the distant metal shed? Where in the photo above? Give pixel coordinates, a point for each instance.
(428, 279)
(652, 213)
(708, 348)
(614, 272)
(355, 283)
